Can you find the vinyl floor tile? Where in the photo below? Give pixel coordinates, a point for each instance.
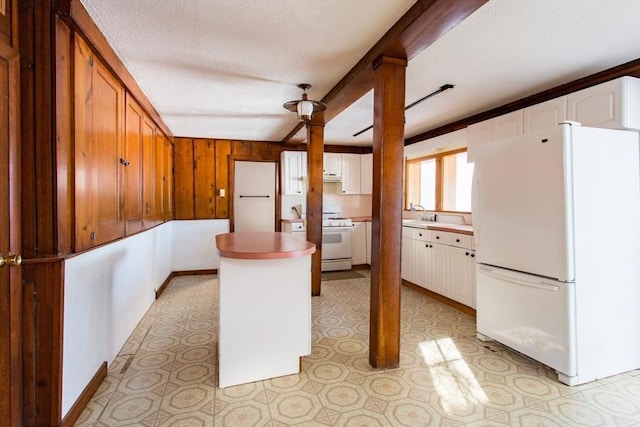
(165, 374)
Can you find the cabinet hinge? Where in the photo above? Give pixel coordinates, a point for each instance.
(91, 61)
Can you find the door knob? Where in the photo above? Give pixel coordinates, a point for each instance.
(10, 259)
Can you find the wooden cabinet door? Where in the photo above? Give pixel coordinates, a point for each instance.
(99, 143)
(159, 177)
(85, 230)
(167, 196)
(108, 142)
(148, 171)
(133, 171)
(10, 243)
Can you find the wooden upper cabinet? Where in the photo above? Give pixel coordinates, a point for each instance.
(134, 118)
(6, 24)
(99, 101)
(159, 177)
(148, 172)
(167, 179)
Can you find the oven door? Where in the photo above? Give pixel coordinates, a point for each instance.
(336, 248)
(336, 242)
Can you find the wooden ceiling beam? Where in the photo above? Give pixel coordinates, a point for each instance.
(420, 27)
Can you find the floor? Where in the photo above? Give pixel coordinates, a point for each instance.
(165, 373)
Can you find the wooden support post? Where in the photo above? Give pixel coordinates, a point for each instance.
(315, 148)
(388, 150)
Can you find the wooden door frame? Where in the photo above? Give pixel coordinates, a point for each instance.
(14, 305)
(231, 179)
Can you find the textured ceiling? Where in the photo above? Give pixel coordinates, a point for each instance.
(223, 68)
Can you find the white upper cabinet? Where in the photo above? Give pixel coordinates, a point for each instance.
(366, 173)
(500, 127)
(294, 172)
(350, 173)
(508, 125)
(545, 114)
(614, 104)
(332, 166)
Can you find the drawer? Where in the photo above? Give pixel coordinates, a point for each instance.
(461, 240)
(297, 226)
(421, 234)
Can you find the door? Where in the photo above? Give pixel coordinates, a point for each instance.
(254, 196)
(520, 212)
(10, 244)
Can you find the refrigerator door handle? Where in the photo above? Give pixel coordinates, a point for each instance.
(531, 283)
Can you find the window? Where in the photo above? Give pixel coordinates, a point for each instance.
(441, 182)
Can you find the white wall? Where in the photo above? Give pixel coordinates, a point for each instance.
(194, 244)
(109, 289)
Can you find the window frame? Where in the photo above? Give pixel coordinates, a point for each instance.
(439, 177)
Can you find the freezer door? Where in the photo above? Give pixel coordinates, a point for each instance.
(530, 314)
(521, 213)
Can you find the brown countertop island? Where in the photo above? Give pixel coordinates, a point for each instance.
(262, 245)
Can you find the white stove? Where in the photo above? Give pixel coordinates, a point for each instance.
(337, 222)
(336, 241)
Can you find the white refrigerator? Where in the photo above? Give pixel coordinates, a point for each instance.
(557, 228)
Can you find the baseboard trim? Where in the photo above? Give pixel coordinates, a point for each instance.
(85, 397)
(195, 272)
(451, 303)
(164, 285)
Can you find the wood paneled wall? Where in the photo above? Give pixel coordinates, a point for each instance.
(201, 170)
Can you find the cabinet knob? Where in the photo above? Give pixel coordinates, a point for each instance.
(420, 234)
(437, 237)
(14, 259)
(473, 255)
(466, 253)
(457, 240)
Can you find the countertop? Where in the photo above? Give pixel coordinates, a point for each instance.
(438, 226)
(428, 225)
(262, 245)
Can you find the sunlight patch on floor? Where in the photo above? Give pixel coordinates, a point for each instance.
(453, 379)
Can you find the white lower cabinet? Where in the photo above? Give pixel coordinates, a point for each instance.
(359, 243)
(407, 268)
(462, 275)
(441, 262)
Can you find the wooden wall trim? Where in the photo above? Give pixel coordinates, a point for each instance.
(85, 397)
(631, 68)
(424, 23)
(76, 16)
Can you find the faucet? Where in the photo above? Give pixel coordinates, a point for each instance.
(424, 216)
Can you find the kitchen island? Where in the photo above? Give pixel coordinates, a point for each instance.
(264, 306)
